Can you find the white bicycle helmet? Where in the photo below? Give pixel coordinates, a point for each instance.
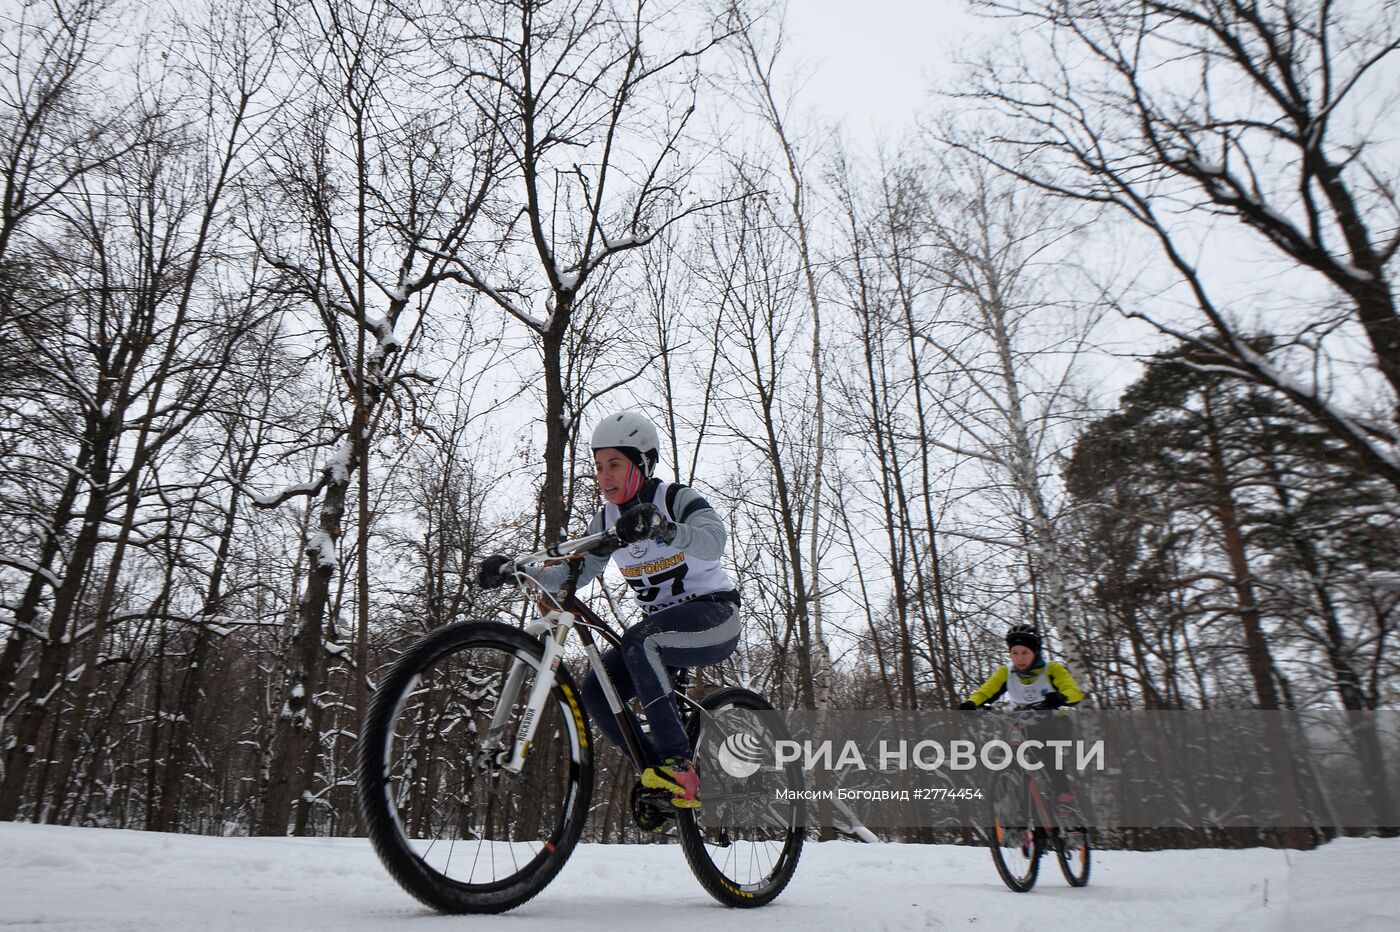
(632, 433)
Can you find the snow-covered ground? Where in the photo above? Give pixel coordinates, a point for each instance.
(66, 878)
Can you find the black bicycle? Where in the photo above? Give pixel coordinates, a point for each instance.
(1023, 823)
(476, 763)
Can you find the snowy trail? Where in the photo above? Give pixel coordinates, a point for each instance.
(66, 878)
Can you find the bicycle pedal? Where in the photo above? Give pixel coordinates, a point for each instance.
(651, 809)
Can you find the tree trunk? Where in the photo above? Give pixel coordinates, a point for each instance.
(294, 738)
(943, 667)
(552, 505)
(1045, 558)
(83, 693)
(787, 522)
(1257, 654)
(887, 469)
(1344, 676)
(169, 814)
(27, 612)
(47, 679)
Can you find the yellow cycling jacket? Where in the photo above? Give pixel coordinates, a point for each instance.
(1057, 673)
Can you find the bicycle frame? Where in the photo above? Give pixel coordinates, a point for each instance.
(1037, 799)
(1032, 779)
(564, 615)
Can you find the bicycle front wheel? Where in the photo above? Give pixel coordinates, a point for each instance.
(1072, 847)
(1011, 833)
(453, 827)
(743, 844)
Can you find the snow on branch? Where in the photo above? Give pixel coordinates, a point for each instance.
(29, 630)
(221, 625)
(336, 470)
(1009, 542)
(1229, 191)
(309, 489)
(567, 281)
(1385, 580)
(1375, 442)
(34, 569)
(469, 277)
(321, 549)
(385, 340)
(1363, 431)
(849, 823)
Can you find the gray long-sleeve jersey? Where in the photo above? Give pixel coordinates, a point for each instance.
(661, 574)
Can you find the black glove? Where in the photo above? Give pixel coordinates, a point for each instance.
(967, 705)
(1053, 700)
(490, 574)
(644, 521)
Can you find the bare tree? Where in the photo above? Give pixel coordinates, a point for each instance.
(137, 362)
(1263, 114)
(759, 58)
(592, 101)
(888, 406)
(234, 63)
(251, 405)
(766, 417)
(55, 130)
(1011, 347)
(384, 182)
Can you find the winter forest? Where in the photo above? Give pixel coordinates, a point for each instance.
(308, 307)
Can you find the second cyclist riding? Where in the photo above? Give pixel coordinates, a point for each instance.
(1023, 824)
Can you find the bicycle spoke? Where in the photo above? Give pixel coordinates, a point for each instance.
(475, 859)
(446, 787)
(741, 848)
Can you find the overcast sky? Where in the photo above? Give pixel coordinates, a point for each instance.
(874, 63)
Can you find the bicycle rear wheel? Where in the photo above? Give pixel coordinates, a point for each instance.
(743, 844)
(453, 828)
(1011, 833)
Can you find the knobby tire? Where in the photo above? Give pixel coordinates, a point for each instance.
(478, 840)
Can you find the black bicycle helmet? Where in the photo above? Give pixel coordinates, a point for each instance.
(1024, 635)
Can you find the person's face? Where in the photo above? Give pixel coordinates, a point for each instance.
(1021, 656)
(615, 475)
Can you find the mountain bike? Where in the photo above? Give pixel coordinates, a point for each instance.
(1022, 823)
(475, 771)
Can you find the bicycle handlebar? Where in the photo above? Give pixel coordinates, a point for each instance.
(1012, 710)
(1020, 714)
(604, 541)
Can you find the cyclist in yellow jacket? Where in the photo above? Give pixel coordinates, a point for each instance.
(1036, 680)
(1030, 679)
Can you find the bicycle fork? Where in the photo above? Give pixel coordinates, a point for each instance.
(558, 627)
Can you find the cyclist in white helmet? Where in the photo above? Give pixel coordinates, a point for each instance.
(672, 544)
